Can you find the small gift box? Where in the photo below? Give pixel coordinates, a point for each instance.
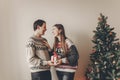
(54, 58)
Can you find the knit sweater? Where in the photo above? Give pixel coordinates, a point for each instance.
(70, 60)
(37, 54)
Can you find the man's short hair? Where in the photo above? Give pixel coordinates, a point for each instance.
(38, 22)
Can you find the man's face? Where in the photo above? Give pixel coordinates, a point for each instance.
(42, 29)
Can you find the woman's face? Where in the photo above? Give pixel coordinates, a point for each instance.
(55, 31)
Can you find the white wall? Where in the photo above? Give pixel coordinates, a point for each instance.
(78, 16)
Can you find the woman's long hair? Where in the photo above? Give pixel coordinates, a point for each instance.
(62, 37)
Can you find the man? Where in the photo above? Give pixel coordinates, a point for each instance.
(38, 53)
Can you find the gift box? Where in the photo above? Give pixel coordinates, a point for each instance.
(54, 58)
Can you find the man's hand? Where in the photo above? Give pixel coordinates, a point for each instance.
(50, 63)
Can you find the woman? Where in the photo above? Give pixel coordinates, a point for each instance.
(67, 54)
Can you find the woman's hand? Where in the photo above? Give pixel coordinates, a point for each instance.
(59, 62)
(47, 44)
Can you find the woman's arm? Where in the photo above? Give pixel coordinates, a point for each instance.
(73, 56)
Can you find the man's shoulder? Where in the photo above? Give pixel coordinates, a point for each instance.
(30, 39)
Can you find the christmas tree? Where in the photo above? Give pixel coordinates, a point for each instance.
(105, 57)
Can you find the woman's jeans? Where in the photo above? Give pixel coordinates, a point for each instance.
(65, 75)
(42, 75)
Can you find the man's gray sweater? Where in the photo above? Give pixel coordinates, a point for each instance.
(37, 54)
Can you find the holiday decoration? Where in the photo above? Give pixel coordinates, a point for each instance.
(105, 57)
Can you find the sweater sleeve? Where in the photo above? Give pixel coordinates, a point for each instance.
(72, 55)
(32, 58)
